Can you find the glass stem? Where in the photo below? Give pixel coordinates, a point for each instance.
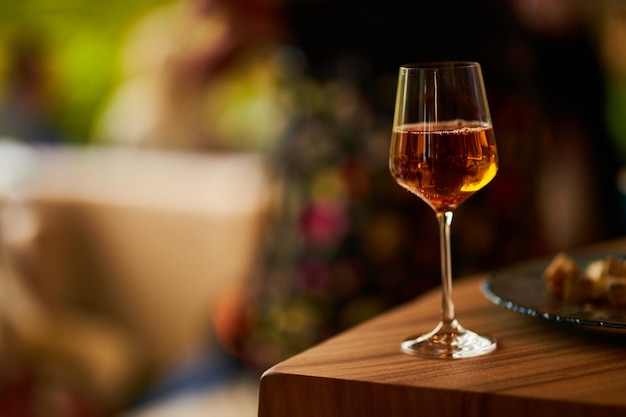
(447, 305)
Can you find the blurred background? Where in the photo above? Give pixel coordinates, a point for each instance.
(194, 190)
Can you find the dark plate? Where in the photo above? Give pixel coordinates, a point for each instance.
(521, 289)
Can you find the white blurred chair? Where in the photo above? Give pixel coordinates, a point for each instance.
(127, 251)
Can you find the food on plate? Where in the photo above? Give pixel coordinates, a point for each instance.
(602, 281)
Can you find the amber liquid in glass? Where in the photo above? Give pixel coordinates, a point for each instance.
(444, 163)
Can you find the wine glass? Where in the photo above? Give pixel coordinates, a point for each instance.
(443, 150)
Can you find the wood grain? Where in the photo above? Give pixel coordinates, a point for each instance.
(539, 369)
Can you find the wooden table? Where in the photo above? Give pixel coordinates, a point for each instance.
(539, 369)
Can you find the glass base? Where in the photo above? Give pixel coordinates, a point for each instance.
(449, 342)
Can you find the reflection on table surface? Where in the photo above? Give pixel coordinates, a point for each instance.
(541, 367)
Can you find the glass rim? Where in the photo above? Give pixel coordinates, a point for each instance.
(437, 65)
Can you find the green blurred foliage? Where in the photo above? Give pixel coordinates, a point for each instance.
(74, 45)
